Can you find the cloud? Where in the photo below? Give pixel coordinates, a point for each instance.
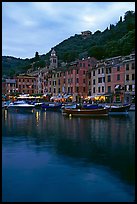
(28, 27)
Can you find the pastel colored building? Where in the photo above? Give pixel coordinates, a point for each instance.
(26, 84)
(129, 81)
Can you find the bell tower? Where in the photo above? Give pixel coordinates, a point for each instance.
(53, 59)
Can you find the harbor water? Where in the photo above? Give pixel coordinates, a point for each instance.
(49, 157)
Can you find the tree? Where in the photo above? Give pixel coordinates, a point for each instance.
(36, 56)
(128, 15)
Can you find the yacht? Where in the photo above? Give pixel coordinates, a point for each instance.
(20, 105)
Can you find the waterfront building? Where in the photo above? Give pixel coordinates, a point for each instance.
(11, 86)
(4, 86)
(118, 81)
(129, 64)
(27, 84)
(111, 79)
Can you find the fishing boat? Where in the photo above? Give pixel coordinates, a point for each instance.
(51, 106)
(85, 112)
(118, 109)
(20, 106)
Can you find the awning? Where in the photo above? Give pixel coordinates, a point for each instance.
(53, 97)
(117, 86)
(91, 97)
(67, 96)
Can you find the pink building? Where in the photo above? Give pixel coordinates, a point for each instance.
(118, 82)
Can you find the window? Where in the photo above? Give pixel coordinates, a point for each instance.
(77, 80)
(103, 79)
(83, 64)
(118, 77)
(109, 78)
(84, 81)
(127, 77)
(118, 68)
(98, 71)
(99, 89)
(58, 90)
(109, 89)
(133, 76)
(102, 88)
(80, 64)
(77, 89)
(77, 71)
(94, 90)
(89, 83)
(54, 90)
(133, 65)
(59, 82)
(71, 89)
(125, 87)
(84, 89)
(94, 81)
(108, 70)
(102, 70)
(94, 73)
(127, 66)
(84, 72)
(54, 83)
(130, 87)
(133, 87)
(100, 80)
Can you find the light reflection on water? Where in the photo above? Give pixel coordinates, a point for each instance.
(55, 157)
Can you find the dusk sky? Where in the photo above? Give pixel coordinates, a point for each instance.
(28, 27)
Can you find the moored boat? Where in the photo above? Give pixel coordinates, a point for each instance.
(118, 109)
(132, 107)
(85, 112)
(20, 106)
(51, 106)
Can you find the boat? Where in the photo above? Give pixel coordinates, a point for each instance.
(118, 109)
(132, 107)
(51, 106)
(4, 104)
(92, 106)
(20, 106)
(69, 105)
(85, 112)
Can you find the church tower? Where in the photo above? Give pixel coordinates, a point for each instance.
(53, 59)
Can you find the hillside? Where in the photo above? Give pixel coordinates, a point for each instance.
(115, 40)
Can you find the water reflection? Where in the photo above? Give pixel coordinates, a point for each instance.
(108, 142)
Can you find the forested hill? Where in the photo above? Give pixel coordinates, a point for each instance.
(115, 40)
